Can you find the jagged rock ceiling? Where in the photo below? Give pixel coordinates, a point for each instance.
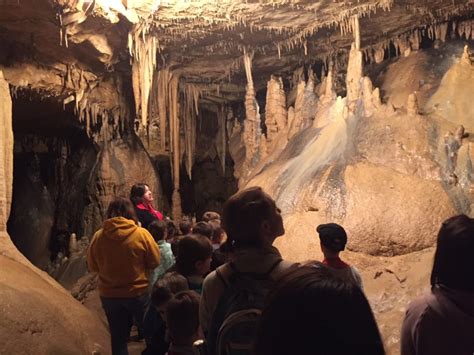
(203, 41)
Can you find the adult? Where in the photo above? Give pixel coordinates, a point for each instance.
(252, 222)
(333, 240)
(312, 311)
(142, 198)
(442, 321)
(122, 253)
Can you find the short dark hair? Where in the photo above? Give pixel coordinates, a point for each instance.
(203, 228)
(121, 207)
(217, 231)
(171, 229)
(243, 215)
(158, 230)
(137, 191)
(182, 316)
(454, 257)
(332, 236)
(164, 289)
(210, 216)
(185, 226)
(191, 249)
(311, 312)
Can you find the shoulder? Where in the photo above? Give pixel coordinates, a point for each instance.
(418, 310)
(96, 235)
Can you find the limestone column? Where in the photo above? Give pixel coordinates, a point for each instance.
(6, 153)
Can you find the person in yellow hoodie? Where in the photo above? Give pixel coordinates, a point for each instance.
(122, 253)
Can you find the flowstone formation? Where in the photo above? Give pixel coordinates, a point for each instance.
(352, 112)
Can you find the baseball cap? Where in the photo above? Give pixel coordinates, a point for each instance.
(332, 236)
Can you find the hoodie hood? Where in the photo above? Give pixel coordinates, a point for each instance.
(119, 228)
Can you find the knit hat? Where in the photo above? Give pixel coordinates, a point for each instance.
(332, 236)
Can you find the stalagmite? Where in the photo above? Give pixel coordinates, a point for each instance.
(354, 68)
(412, 105)
(73, 247)
(297, 118)
(6, 153)
(466, 56)
(275, 108)
(252, 130)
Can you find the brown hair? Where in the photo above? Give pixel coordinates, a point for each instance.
(312, 312)
(454, 257)
(164, 289)
(191, 249)
(158, 230)
(243, 215)
(182, 317)
(121, 207)
(136, 193)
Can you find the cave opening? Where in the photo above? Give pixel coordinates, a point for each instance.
(53, 158)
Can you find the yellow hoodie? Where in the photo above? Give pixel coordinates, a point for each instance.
(122, 253)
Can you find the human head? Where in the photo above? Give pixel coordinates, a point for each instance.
(332, 236)
(203, 228)
(210, 216)
(453, 264)
(171, 229)
(158, 230)
(251, 219)
(182, 318)
(141, 193)
(165, 288)
(194, 255)
(121, 207)
(312, 312)
(185, 226)
(218, 233)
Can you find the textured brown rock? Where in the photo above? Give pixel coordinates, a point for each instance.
(120, 164)
(383, 217)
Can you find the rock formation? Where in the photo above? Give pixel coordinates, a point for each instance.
(353, 112)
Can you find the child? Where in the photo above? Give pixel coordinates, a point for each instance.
(163, 291)
(182, 320)
(194, 260)
(158, 229)
(333, 240)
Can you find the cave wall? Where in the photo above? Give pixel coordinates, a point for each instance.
(29, 319)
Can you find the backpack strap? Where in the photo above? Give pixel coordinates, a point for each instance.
(227, 272)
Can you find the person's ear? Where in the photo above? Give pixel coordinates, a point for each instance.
(265, 227)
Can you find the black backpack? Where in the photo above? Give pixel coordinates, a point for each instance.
(234, 322)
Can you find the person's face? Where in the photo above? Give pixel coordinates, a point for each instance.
(273, 226)
(161, 310)
(147, 195)
(203, 266)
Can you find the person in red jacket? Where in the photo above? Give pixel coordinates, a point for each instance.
(142, 199)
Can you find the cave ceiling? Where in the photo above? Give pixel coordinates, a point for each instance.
(74, 41)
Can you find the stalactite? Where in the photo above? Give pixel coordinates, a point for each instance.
(252, 130)
(143, 50)
(221, 137)
(191, 94)
(164, 77)
(173, 104)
